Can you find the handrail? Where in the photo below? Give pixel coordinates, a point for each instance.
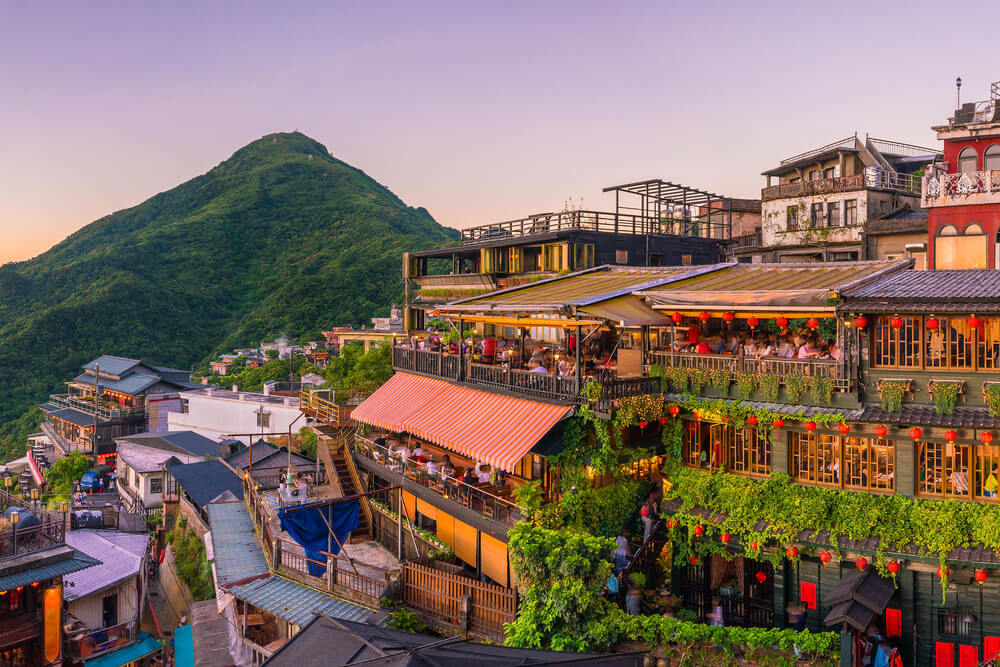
(322, 409)
(103, 640)
(639, 557)
(356, 478)
(68, 401)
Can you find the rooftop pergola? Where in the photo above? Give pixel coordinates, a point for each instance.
(690, 211)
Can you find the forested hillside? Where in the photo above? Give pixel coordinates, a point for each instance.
(280, 239)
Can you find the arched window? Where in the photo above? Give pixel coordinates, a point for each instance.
(991, 158)
(960, 251)
(948, 230)
(972, 229)
(968, 160)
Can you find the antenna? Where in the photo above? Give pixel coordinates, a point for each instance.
(958, 93)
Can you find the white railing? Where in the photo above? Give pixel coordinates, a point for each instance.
(960, 184)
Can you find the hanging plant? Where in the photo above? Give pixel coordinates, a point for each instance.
(770, 385)
(719, 378)
(697, 379)
(678, 377)
(746, 384)
(991, 392)
(945, 396)
(821, 389)
(795, 387)
(891, 393)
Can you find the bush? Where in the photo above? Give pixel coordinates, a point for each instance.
(191, 562)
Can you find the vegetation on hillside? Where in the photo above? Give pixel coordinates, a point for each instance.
(191, 561)
(281, 239)
(64, 473)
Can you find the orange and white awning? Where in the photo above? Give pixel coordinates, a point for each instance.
(481, 425)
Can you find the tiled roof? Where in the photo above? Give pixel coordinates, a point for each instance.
(238, 554)
(295, 602)
(241, 458)
(149, 459)
(183, 441)
(72, 416)
(112, 365)
(782, 408)
(830, 276)
(131, 384)
(120, 555)
(924, 415)
(920, 286)
(78, 562)
(206, 480)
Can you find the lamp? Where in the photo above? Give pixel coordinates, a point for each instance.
(15, 517)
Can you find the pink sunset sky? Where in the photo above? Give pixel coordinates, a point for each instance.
(477, 111)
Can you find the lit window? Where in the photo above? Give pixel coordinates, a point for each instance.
(621, 256)
(965, 251)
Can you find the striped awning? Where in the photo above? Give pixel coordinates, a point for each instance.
(481, 425)
(403, 395)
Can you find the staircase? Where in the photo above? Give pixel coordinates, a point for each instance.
(342, 475)
(646, 554)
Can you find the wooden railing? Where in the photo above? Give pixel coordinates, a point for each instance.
(753, 240)
(830, 368)
(441, 594)
(818, 186)
(101, 641)
(105, 409)
(358, 581)
(19, 629)
(592, 221)
(321, 409)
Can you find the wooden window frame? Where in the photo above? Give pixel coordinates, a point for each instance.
(976, 351)
(850, 212)
(835, 459)
(745, 450)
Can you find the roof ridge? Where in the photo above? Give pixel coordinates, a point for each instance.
(116, 546)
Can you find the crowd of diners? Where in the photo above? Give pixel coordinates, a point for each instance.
(786, 344)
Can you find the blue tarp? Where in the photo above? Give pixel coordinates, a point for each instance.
(183, 647)
(146, 646)
(307, 527)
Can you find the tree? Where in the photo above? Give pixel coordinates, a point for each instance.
(64, 473)
(309, 442)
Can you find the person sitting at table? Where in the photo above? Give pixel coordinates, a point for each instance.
(484, 472)
(809, 349)
(489, 350)
(402, 451)
(732, 345)
(762, 349)
(537, 367)
(432, 467)
(469, 476)
(447, 469)
(786, 349)
(419, 453)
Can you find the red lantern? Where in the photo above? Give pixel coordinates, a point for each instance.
(778, 423)
(673, 410)
(699, 530)
(981, 576)
(973, 322)
(725, 418)
(986, 437)
(791, 552)
(844, 428)
(677, 318)
(895, 322)
(893, 567)
(861, 321)
(915, 433)
(809, 426)
(725, 538)
(643, 424)
(752, 420)
(760, 576)
(696, 415)
(825, 557)
(662, 420)
(782, 321)
(950, 436)
(932, 323)
(861, 563)
(753, 546)
(881, 431)
(728, 317)
(752, 322)
(812, 323)
(671, 523)
(693, 560)
(943, 572)
(704, 317)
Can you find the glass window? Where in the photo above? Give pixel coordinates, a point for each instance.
(869, 465)
(991, 158)
(815, 175)
(696, 444)
(686, 260)
(156, 485)
(584, 256)
(816, 215)
(968, 161)
(943, 469)
(515, 259)
(850, 212)
(833, 214)
(830, 172)
(553, 258)
(815, 458)
(792, 218)
(967, 251)
(621, 256)
(950, 345)
(896, 348)
(263, 420)
(749, 453)
(989, 343)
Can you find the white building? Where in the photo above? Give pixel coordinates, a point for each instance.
(219, 414)
(142, 477)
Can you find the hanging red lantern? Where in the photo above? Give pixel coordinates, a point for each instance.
(986, 437)
(973, 322)
(881, 431)
(728, 316)
(861, 321)
(696, 414)
(752, 420)
(693, 560)
(699, 530)
(950, 436)
(915, 433)
(662, 420)
(981, 576)
(778, 423)
(704, 317)
(671, 523)
(752, 322)
(825, 557)
(943, 572)
(643, 424)
(844, 428)
(760, 576)
(725, 418)
(895, 322)
(932, 323)
(673, 410)
(893, 567)
(725, 538)
(753, 546)
(861, 563)
(677, 318)
(782, 321)
(791, 552)
(812, 323)
(809, 426)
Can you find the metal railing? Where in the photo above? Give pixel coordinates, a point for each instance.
(873, 177)
(753, 240)
(830, 368)
(103, 408)
(961, 184)
(321, 409)
(899, 149)
(849, 142)
(62, 444)
(475, 497)
(18, 539)
(593, 221)
(101, 641)
(19, 629)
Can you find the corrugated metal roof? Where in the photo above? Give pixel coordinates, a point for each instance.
(628, 310)
(205, 481)
(131, 385)
(120, 555)
(112, 365)
(149, 459)
(238, 554)
(828, 276)
(295, 602)
(73, 417)
(60, 568)
(183, 441)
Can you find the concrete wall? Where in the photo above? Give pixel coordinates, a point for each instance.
(217, 417)
(774, 225)
(90, 609)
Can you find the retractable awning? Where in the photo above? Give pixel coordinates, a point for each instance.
(775, 300)
(482, 425)
(625, 311)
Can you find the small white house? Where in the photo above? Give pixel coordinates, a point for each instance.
(219, 414)
(142, 477)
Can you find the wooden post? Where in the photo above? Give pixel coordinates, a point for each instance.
(276, 562)
(579, 366)
(461, 351)
(399, 527)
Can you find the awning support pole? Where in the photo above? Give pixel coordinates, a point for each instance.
(579, 367)
(399, 528)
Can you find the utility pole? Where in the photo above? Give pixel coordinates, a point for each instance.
(97, 398)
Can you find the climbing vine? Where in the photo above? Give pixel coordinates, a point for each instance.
(991, 392)
(795, 387)
(945, 396)
(821, 389)
(698, 379)
(770, 384)
(719, 378)
(891, 394)
(678, 377)
(746, 385)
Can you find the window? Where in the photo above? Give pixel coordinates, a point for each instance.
(869, 465)
(156, 485)
(749, 453)
(896, 348)
(553, 258)
(833, 214)
(850, 212)
(621, 256)
(881, 207)
(815, 175)
(816, 215)
(991, 158)
(830, 172)
(686, 260)
(583, 256)
(792, 218)
(815, 458)
(968, 161)
(988, 344)
(943, 469)
(263, 420)
(950, 345)
(515, 259)
(654, 259)
(960, 251)
(696, 443)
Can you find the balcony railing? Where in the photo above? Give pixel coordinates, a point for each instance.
(314, 405)
(104, 409)
(871, 178)
(101, 641)
(20, 539)
(595, 221)
(476, 497)
(829, 368)
(754, 240)
(19, 628)
(956, 188)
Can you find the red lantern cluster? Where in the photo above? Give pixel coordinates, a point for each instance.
(662, 420)
(778, 423)
(809, 426)
(693, 560)
(752, 322)
(932, 323)
(782, 322)
(844, 428)
(792, 553)
(760, 576)
(893, 567)
(699, 530)
(728, 317)
(753, 546)
(986, 437)
(752, 420)
(671, 523)
(696, 415)
(915, 433)
(881, 431)
(677, 318)
(973, 322)
(861, 321)
(704, 317)
(861, 563)
(643, 424)
(950, 436)
(812, 323)
(825, 557)
(896, 322)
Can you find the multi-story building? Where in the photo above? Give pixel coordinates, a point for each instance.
(962, 191)
(816, 206)
(654, 223)
(219, 413)
(111, 398)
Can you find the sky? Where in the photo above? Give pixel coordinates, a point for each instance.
(477, 111)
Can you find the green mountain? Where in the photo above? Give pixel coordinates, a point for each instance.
(280, 239)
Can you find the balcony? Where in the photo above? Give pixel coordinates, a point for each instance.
(20, 628)
(99, 642)
(826, 368)
(872, 178)
(18, 540)
(105, 409)
(961, 189)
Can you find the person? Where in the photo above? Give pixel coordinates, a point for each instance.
(447, 469)
(419, 454)
(732, 345)
(749, 347)
(489, 350)
(432, 467)
(537, 367)
(797, 616)
(717, 454)
(469, 477)
(484, 472)
(762, 349)
(786, 350)
(716, 614)
(808, 350)
(646, 513)
(621, 553)
(835, 352)
(703, 348)
(992, 483)
(633, 601)
(100, 484)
